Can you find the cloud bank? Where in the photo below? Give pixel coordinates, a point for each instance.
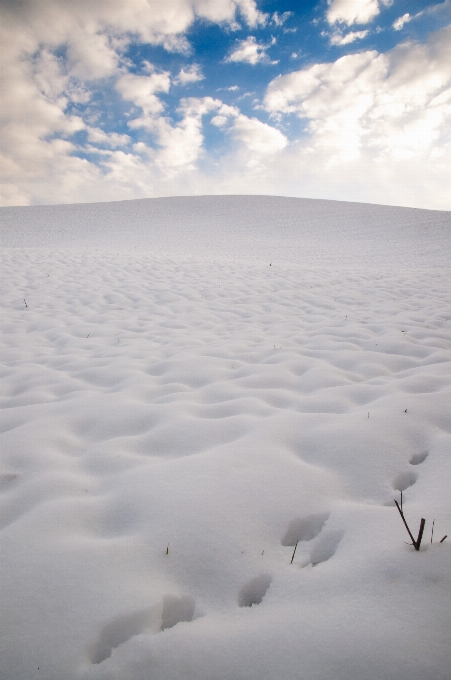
(83, 121)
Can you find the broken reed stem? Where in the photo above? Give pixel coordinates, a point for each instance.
(420, 534)
(294, 552)
(432, 532)
(446, 536)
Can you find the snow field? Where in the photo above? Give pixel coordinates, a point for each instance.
(172, 426)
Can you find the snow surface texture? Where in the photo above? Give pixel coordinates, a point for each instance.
(190, 387)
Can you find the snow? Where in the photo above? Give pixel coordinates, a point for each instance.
(190, 386)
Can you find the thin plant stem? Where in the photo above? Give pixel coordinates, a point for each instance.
(405, 524)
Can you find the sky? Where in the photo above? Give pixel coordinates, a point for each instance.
(338, 99)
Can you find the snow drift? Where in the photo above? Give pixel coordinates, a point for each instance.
(190, 388)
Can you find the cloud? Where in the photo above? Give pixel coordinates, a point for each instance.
(248, 9)
(189, 74)
(58, 55)
(371, 100)
(226, 12)
(176, 146)
(352, 11)
(279, 19)
(141, 90)
(371, 109)
(399, 23)
(375, 126)
(181, 145)
(251, 52)
(256, 137)
(253, 136)
(441, 9)
(111, 139)
(340, 39)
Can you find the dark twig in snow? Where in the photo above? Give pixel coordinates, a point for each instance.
(416, 543)
(420, 534)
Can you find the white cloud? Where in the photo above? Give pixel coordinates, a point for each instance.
(91, 55)
(178, 145)
(441, 10)
(356, 100)
(182, 144)
(55, 52)
(256, 137)
(370, 109)
(249, 10)
(225, 11)
(279, 19)
(141, 90)
(339, 39)
(109, 139)
(399, 23)
(251, 134)
(376, 125)
(352, 11)
(189, 74)
(251, 52)
(36, 93)
(10, 194)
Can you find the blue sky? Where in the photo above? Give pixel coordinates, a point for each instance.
(338, 99)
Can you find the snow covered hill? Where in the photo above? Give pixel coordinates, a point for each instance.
(297, 230)
(192, 386)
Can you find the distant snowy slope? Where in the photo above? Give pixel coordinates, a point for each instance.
(297, 230)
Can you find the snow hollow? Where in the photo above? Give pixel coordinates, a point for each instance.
(193, 386)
